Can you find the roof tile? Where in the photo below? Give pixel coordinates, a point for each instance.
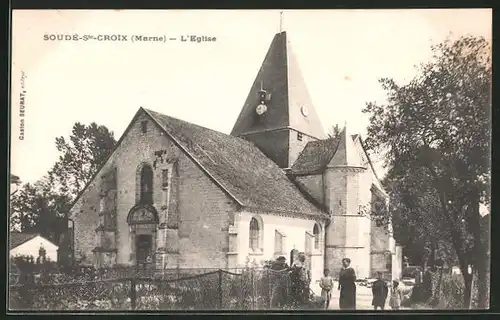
(315, 156)
(18, 238)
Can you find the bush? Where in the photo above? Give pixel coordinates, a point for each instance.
(447, 296)
(86, 288)
(452, 292)
(102, 295)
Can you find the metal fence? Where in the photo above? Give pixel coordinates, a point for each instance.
(177, 289)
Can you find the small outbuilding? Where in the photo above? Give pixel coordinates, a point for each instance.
(29, 244)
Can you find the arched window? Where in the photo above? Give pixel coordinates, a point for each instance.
(255, 232)
(146, 196)
(317, 236)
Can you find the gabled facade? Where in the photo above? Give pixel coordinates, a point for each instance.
(29, 244)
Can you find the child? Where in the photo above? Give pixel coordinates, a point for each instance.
(396, 296)
(326, 285)
(380, 291)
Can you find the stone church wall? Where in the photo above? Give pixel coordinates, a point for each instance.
(205, 215)
(201, 236)
(85, 215)
(295, 231)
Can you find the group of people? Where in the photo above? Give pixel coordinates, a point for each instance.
(300, 278)
(300, 286)
(347, 287)
(380, 292)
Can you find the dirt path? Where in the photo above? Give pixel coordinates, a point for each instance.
(363, 299)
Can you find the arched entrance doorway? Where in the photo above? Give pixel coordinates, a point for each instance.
(143, 222)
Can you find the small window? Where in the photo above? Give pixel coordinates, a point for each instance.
(388, 264)
(254, 234)
(340, 202)
(278, 242)
(299, 136)
(146, 185)
(109, 221)
(144, 126)
(102, 204)
(317, 239)
(164, 178)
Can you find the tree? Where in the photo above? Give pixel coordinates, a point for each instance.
(37, 209)
(417, 224)
(439, 124)
(42, 207)
(82, 155)
(334, 132)
(23, 216)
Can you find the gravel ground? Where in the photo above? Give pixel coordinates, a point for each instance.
(363, 299)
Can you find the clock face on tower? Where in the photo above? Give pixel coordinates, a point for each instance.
(261, 108)
(304, 111)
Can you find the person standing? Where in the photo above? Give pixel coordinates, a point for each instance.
(326, 285)
(301, 279)
(278, 270)
(347, 286)
(396, 296)
(380, 292)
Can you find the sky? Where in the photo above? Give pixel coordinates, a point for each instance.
(341, 53)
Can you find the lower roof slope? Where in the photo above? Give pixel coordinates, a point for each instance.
(315, 156)
(18, 238)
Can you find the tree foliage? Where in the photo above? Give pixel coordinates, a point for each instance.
(41, 207)
(37, 209)
(334, 132)
(81, 156)
(435, 134)
(417, 227)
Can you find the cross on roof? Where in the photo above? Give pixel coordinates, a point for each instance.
(281, 21)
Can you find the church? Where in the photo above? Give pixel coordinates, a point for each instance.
(177, 195)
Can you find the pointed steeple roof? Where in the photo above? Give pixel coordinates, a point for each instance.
(290, 106)
(346, 154)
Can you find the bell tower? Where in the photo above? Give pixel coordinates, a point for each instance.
(345, 235)
(278, 115)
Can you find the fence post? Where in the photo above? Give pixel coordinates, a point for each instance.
(252, 270)
(220, 289)
(270, 288)
(242, 291)
(133, 293)
(27, 296)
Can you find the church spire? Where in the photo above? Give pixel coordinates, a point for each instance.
(280, 112)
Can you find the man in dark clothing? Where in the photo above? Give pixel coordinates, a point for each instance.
(380, 292)
(347, 286)
(279, 277)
